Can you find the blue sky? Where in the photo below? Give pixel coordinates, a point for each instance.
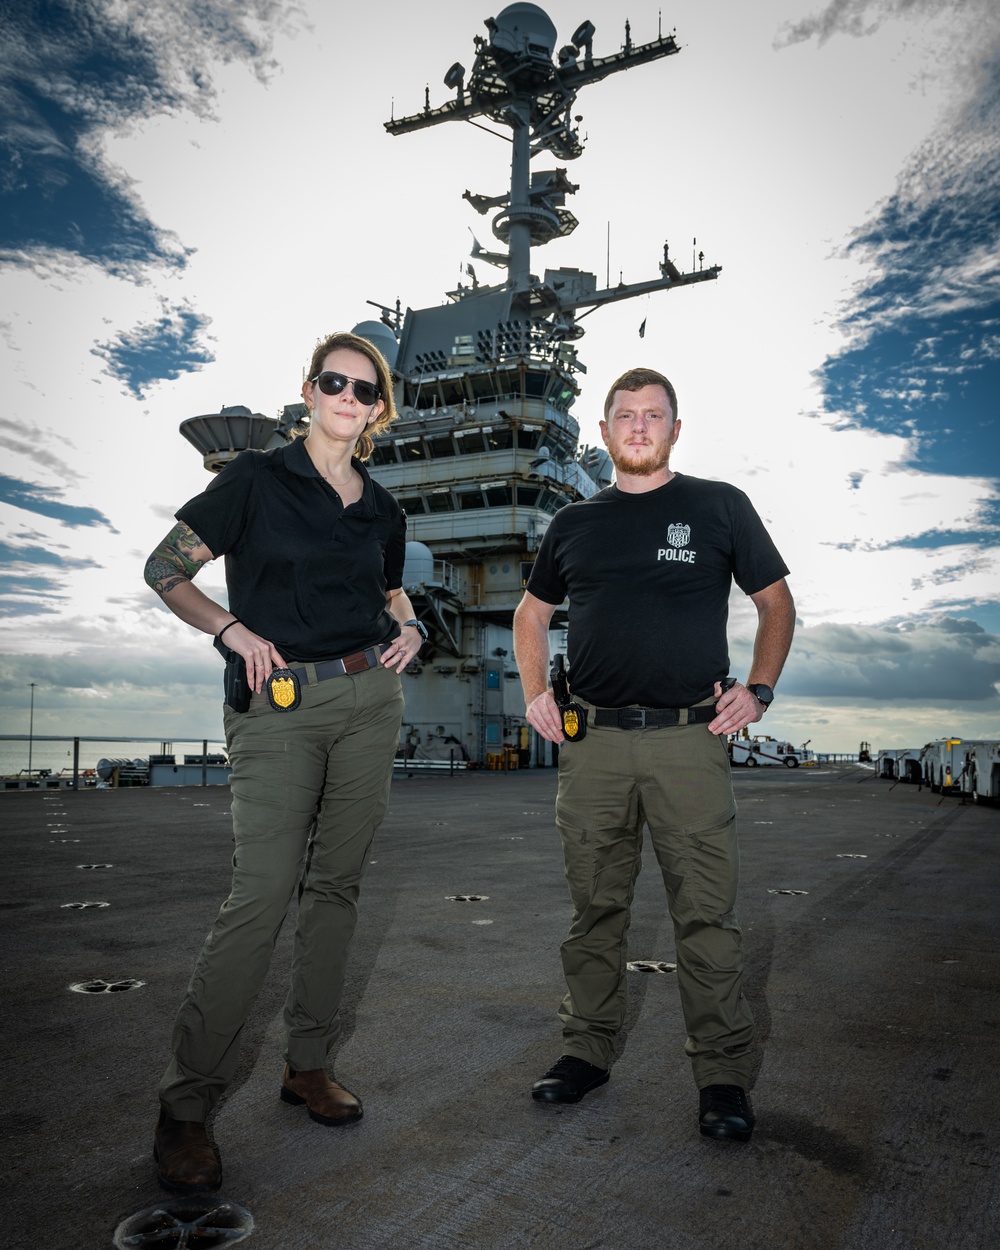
(927, 359)
(183, 212)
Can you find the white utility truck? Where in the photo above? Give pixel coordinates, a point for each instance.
(946, 761)
(763, 749)
(980, 776)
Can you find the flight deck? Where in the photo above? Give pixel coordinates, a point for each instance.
(871, 932)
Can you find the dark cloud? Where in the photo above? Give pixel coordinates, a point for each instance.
(62, 678)
(69, 70)
(26, 440)
(935, 539)
(950, 625)
(859, 18)
(26, 589)
(160, 351)
(30, 595)
(10, 554)
(44, 500)
(949, 660)
(12, 584)
(16, 605)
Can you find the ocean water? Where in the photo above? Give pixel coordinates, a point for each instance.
(58, 756)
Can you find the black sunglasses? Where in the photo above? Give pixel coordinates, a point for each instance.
(333, 383)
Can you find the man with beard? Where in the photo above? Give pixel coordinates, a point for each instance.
(647, 565)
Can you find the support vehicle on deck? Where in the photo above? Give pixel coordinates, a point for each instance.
(946, 763)
(980, 775)
(763, 749)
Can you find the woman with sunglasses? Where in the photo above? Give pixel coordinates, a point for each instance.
(314, 561)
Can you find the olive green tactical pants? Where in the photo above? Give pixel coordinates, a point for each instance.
(310, 788)
(677, 780)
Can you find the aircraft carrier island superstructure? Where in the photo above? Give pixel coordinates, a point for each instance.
(486, 449)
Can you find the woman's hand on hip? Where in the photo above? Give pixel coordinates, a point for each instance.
(260, 655)
(402, 649)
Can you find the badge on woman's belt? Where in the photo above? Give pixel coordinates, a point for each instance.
(283, 690)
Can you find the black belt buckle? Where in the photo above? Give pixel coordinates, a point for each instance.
(632, 718)
(574, 722)
(283, 690)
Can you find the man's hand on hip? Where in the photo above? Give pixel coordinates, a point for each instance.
(543, 716)
(734, 709)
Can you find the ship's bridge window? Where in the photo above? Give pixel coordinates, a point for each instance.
(471, 442)
(498, 496)
(561, 398)
(384, 453)
(499, 440)
(411, 449)
(412, 504)
(471, 499)
(453, 392)
(526, 567)
(440, 501)
(528, 439)
(560, 445)
(552, 502)
(483, 386)
(535, 383)
(527, 495)
(509, 384)
(427, 398)
(441, 446)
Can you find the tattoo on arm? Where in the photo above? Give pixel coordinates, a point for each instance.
(177, 559)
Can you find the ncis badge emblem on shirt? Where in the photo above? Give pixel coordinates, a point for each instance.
(283, 691)
(678, 536)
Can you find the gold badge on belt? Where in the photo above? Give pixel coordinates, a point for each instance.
(574, 717)
(574, 722)
(283, 691)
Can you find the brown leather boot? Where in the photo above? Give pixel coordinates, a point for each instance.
(328, 1102)
(188, 1163)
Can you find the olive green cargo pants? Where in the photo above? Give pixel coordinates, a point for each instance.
(677, 780)
(310, 788)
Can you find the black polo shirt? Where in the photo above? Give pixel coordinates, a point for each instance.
(302, 570)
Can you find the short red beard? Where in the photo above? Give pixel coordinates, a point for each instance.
(640, 468)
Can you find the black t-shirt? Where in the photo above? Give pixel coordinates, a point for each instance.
(303, 571)
(648, 578)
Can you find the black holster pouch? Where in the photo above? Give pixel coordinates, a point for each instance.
(574, 717)
(235, 684)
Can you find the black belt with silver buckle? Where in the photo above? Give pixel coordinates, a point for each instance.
(650, 717)
(356, 662)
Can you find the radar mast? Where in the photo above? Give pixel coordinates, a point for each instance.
(515, 83)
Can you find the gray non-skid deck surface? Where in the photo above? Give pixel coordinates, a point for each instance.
(876, 994)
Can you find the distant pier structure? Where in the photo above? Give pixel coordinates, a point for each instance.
(486, 449)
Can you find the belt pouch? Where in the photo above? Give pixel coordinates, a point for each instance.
(235, 682)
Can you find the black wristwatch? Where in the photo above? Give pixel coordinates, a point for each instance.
(417, 626)
(763, 694)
